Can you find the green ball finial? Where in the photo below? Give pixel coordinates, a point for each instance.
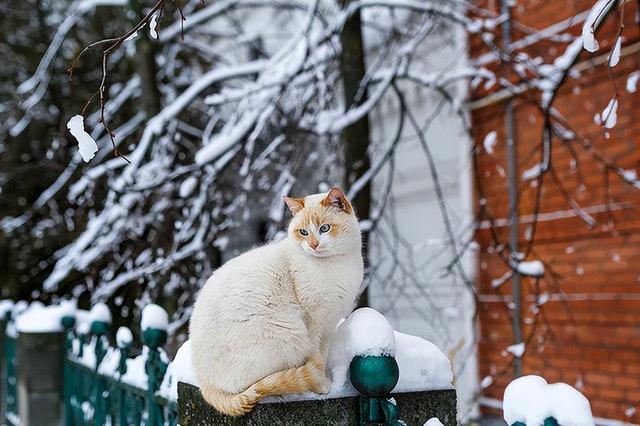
(99, 328)
(374, 376)
(154, 338)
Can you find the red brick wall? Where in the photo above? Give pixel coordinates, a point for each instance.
(588, 333)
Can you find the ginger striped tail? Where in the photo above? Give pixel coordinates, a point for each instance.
(309, 377)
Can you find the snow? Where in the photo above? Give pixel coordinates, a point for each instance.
(614, 59)
(486, 382)
(530, 399)
(38, 318)
(124, 337)
(532, 268)
(598, 11)
(532, 173)
(433, 421)
(154, 316)
(180, 370)
(153, 26)
(490, 142)
(100, 312)
(422, 365)
(136, 374)
(610, 114)
(86, 144)
(368, 333)
(632, 81)
(6, 305)
(517, 349)
(187, 187)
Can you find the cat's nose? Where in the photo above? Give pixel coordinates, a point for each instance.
(314, 244)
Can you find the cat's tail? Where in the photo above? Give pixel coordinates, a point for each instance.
(309, 377)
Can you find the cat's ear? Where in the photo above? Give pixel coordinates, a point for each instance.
(336, 198)
(294, 204)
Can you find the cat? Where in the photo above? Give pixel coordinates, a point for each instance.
(263, 323)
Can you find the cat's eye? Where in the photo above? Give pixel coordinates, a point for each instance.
(325, 228)
(303, 232)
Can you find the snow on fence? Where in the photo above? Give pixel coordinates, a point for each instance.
(101, 384)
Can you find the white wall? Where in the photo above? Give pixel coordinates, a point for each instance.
(408, 283)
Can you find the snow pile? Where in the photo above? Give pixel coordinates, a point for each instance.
(367, 332)
(530, 399)
(180, 370)
(433, 421)
(38, 318)
(100, 312)
(153, 316)
(86, 144)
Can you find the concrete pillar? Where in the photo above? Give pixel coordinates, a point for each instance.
(40, 357)
(415, 408)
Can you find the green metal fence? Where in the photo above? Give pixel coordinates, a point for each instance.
(95, 397)
(11, 383)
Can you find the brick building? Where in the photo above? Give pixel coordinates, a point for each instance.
(588, 330)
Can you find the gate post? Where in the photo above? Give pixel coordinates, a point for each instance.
(40, 378)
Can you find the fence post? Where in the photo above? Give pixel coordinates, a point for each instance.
(99, 329)
(39, 370)
(3, 369)
(68, 322)
(124, 345)
(375, 377)
(155, 368)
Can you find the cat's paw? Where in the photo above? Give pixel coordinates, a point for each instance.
(322, 386)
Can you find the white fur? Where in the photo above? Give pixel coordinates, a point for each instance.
(273, 307)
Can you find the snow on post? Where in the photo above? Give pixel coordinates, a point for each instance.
(530, 400)
(367, 332)
(153, 316)
(86, 144)
(38, 318)
(124, 337)
(6, 305)
(101, 313)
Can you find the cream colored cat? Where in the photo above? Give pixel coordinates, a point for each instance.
(263, 322)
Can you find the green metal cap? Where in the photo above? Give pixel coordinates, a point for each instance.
(99, 328)
(374, 376)
(68, 321)
(154, 337)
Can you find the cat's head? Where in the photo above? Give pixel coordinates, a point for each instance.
(324, 224)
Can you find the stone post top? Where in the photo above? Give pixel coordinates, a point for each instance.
(415, 409)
